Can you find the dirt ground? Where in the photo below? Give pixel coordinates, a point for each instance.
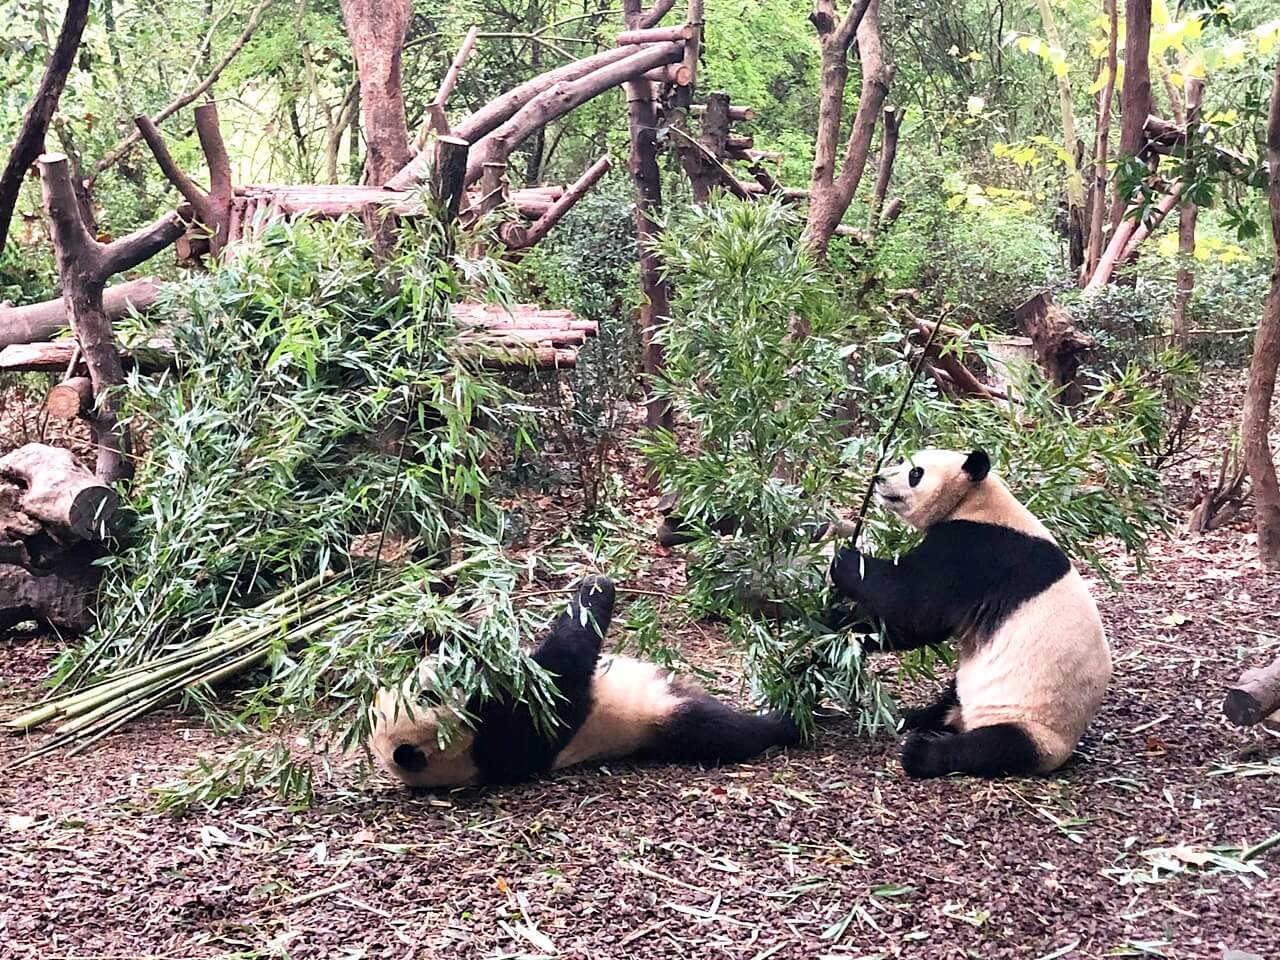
(1142, 846)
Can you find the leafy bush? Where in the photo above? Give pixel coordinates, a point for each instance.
(1228, 297)
(756, 366)
(981, 256)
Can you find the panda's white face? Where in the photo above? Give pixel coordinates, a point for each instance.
(406, 724)
(929, 486)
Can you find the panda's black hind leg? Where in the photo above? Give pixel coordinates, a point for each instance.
(933, 718)
(707, 731)
(1000, 750)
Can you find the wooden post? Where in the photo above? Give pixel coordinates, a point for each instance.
(642, 113)
(84, 265)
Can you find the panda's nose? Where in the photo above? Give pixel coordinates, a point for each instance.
(409, 758)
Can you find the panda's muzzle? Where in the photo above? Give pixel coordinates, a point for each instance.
(409, 758)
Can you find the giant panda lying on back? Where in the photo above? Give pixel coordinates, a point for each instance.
(608, 708)
(1033, 660)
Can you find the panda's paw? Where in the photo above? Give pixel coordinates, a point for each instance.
(846, 571)
(925, 755)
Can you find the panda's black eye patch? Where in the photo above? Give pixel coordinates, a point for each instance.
(916, 474)
(409, 758)
(431, 697)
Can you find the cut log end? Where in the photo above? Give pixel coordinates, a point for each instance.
(1255, 696)
(70, 399)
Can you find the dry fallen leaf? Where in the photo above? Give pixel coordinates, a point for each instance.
(1176, 619)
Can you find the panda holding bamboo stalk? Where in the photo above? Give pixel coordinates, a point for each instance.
(1033, 659)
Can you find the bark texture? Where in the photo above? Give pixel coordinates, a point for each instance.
(84, 265)
(830, 193)
(376, 29)
(1255, 696)
(1135, 93)
(1256, 420)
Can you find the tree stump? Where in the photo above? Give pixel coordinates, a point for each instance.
(1059, 346)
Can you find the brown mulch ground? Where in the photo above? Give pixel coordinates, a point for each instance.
(1134, 850)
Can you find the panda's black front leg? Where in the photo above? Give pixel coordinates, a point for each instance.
(571, 648)
(933, 718)
(893, 594)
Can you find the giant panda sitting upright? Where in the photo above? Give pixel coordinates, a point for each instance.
(608, 708)
(1033, 659)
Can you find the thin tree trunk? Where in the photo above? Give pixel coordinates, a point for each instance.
(830, 194)
(889, 130)
(376, 29)
(84, 265)
(1098, 214)
(1262, 370)
(1075, 186)
(642, 110)
(1187, 214)
(1135, 93)
(35, 122)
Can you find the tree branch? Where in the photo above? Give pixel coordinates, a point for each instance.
(124, 146)
(30, 139)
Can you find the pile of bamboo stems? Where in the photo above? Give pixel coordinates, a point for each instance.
(292, 617)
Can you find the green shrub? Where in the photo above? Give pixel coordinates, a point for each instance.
(981, 260)
(757, 368)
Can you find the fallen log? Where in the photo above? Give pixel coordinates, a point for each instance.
(41, 321)
(59, 492)
(656, 35)
(62, 596)
(1255, 696)
(735, 113)
(55, 356)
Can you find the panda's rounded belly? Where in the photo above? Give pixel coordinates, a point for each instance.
(631, 701)
(1047, 666)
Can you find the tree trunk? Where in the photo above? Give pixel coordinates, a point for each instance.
(642, 113)
(1262, 370)
(84, 265)
(830, 194)
(1099, 193)
(1135, 93)
(377, 30)
(1075, 186)
(35, 122)
(1187, 214)
(891, 125)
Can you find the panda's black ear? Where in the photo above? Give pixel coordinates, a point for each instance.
(977, 465)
